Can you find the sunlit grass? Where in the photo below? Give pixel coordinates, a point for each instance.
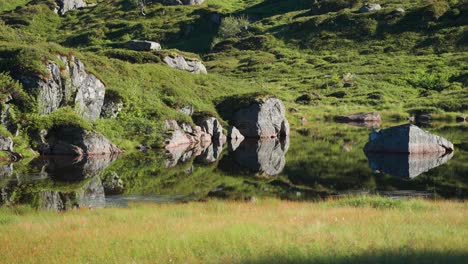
(236, 232)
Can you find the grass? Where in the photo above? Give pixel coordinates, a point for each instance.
(267, 231)
(402, 63)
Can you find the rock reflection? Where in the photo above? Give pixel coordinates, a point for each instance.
(56, 183)
(406, 165)
(202, 153)
(66, 168)
(265, 156)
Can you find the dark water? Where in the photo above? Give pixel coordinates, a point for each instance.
(315, 162)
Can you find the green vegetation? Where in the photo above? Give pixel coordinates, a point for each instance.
(267, 231)
(396, 63)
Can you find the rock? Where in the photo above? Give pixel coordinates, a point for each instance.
(6, 119)
(80, 89)
(112, 184)
(234, 133)
(187, 110)
(369, 7)
(303, 121)
(407, 139)
(262, 119)
(76, 142)
(142, 45)
(212, 127)
(50, 201)
(111, 107)
(461, 118)
(266, 156)
(181, 2)
(406, 165)
(339, 94)
(400, 10)
(68, 5)
(6, 144)
(182, 63)
(359, 118)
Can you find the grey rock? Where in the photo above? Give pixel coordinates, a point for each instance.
(76, 142)
(262, 119)
(187, 110)
(400, 10)
(6, 143)
(90, 91)
(6, 118)
(142, 45)
(111, 107)
(407, 139)
(406, 165)
(72, 86)
(112, 184)
(68, 5)
(266, 156)
(369, 7)
(212, 127)
(182, 63)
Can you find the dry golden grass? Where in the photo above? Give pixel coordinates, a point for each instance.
(236, 232)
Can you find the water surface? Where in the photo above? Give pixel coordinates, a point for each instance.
(315, 162)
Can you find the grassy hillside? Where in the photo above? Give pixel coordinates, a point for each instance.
(342, 61)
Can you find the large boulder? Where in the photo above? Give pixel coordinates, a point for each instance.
(75, 142)
(70, 85)
(262, 119)
(180, 62)
(68, 5)
(142, 45)
(407, 139)
(369, 7)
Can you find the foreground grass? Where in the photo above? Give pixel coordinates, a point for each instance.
(365, 230)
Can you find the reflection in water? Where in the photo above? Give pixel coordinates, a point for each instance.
(406, 165)
(90, 195)
(56, 183)
(265, 155)
(203, 153)
(328, 160)
(66, 168)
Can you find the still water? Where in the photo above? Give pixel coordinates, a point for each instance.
(315, 162)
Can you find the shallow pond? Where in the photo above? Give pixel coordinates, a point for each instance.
(321, 160)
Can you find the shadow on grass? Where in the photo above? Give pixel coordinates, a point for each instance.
(376, 257)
